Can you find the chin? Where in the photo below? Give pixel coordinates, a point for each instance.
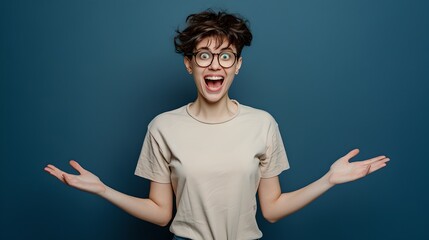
(213, 97)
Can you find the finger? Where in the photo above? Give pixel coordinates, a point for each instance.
(76, 166)
(53, 168)
(378, 165)
(351, 154)
(49, 170)
(54, 172)
(375, 159)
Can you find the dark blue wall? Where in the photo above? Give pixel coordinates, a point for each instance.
(82, 79)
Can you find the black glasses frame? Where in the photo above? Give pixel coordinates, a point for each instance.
(194, 54)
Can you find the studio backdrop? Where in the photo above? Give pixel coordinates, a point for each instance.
(82, 79)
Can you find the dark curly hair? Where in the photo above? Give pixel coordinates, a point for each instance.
(221, 25)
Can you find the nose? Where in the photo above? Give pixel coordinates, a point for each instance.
(215, 63)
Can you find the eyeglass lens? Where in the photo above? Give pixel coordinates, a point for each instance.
(205, 58)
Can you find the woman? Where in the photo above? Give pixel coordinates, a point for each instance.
(215, 154)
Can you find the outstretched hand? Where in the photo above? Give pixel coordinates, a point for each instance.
(85, 181)
(343, 171)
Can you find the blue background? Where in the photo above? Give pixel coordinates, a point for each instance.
(82, 79)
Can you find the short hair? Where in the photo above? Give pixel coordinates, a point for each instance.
(221, 25)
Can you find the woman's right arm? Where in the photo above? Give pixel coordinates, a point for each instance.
(156, 209)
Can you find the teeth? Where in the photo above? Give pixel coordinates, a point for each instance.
(214, 78)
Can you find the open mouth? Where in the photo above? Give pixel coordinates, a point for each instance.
(214, 83)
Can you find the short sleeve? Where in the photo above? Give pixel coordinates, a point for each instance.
(152, 164)
(274, 160)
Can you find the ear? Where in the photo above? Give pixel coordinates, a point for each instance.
(188, 64)
(238, 66)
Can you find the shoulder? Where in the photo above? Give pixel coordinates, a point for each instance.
(168, 119)
(255, 114)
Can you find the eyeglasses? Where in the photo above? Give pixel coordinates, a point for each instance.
(204, 58)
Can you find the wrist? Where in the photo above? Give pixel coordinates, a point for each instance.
(103, 192)
(326, 179)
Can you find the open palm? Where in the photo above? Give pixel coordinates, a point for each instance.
(85, 181)
(343, 170)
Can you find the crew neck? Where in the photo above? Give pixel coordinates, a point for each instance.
(213, 123)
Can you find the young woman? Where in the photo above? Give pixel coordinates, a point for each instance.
(214, 154)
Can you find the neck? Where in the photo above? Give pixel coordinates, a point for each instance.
(218, 111)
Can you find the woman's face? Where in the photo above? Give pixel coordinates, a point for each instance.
(213, 81)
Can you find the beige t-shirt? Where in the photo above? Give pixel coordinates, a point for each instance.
(214, 169)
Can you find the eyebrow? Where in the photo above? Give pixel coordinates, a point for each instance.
(222, 49)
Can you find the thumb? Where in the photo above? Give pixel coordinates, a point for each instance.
(351, 154)
(76, 166)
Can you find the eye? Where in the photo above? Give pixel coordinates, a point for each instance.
(225, 56)
(204, 55)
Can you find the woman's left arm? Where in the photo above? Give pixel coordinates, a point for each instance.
(276, 205)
